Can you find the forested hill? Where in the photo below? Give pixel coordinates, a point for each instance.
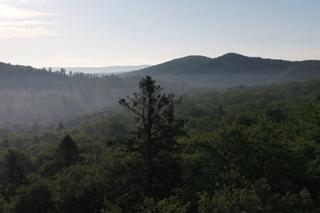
(38, 95)
(28, 94)
(232, 69)
(25, 77)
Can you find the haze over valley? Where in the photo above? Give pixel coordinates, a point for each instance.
(184, 106)
(40, 95)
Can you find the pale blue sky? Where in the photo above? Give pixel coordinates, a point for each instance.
(133, 32)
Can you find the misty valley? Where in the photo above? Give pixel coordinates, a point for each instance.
(195, 134)
(184, 106)
(45, 95)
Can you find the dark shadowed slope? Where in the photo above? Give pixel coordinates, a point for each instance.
(232, 69)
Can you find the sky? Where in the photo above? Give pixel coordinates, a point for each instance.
(93, 33)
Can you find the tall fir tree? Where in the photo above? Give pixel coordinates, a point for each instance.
(68, 152)
(156, 135)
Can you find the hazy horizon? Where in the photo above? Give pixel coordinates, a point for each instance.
(44, 33)
(127, 66)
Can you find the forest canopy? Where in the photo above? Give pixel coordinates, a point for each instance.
(245, 149)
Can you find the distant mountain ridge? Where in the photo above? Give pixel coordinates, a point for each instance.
(107, 70)
(232, 69)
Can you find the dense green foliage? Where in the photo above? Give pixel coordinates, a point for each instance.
(244, 149)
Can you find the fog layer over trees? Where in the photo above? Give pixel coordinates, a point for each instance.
(34, 95)
(28, 94)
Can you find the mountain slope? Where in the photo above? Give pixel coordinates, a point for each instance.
(232, 69)
(34, 95)
(38, 95)
(174, 67)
